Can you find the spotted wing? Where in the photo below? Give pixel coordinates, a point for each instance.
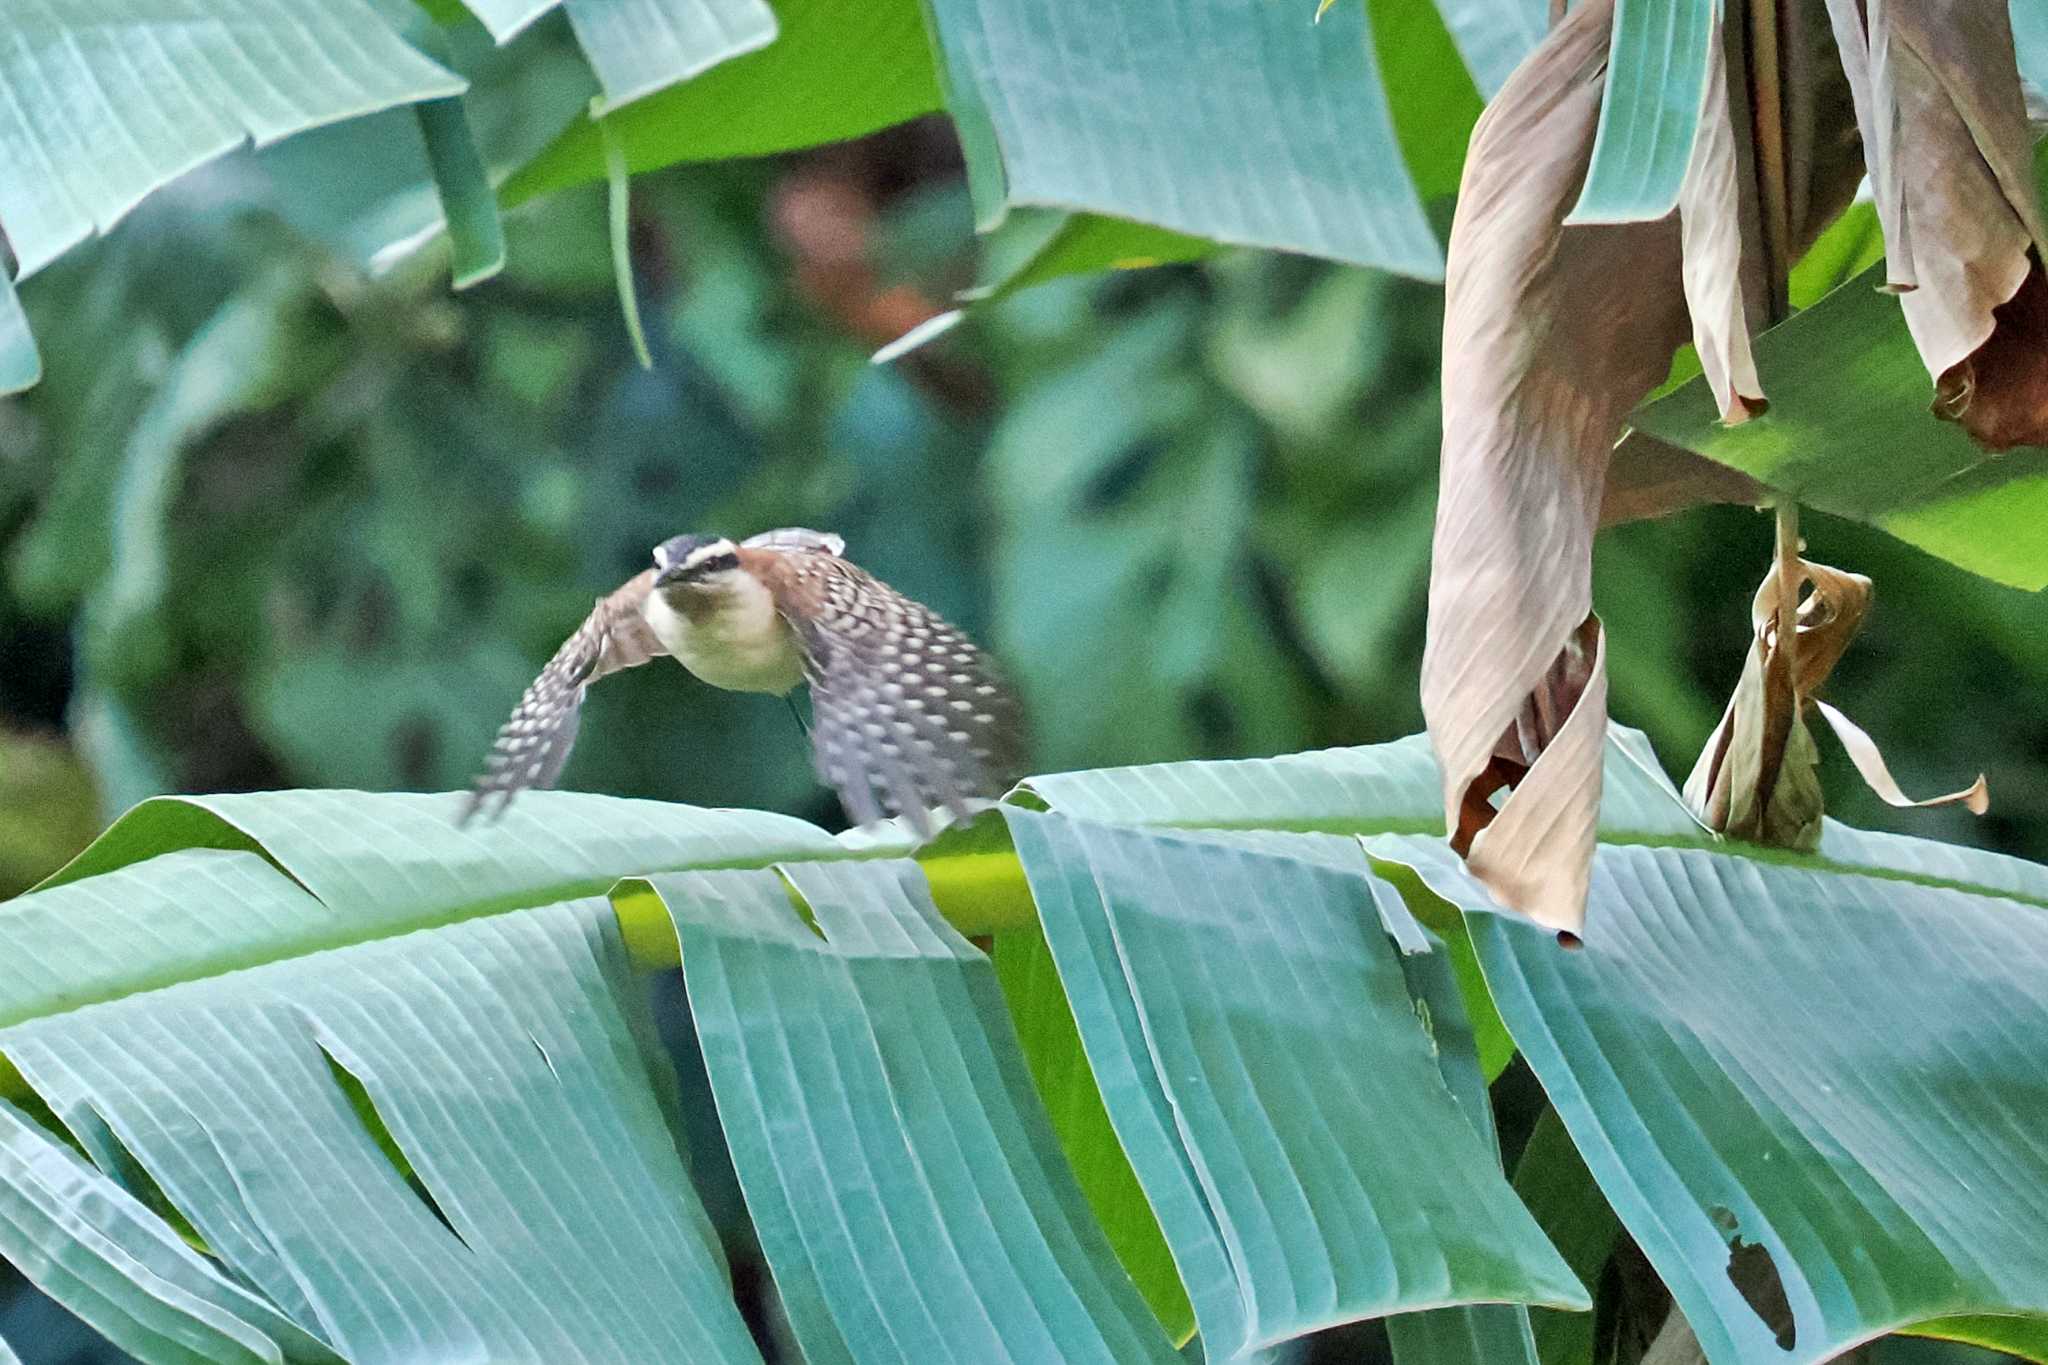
(534, 744)
(908, 714)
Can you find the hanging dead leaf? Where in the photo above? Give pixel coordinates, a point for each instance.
(1759, 776)
(1550, 336)
(1951, 160)
(1725, 287)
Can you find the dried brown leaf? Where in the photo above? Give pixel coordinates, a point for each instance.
(1945, 132)
(1653, 478)
(1721, 288)
(1759, 776)
(1551, 335)
(1863, 752)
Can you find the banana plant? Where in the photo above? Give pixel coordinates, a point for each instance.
(317, 1075)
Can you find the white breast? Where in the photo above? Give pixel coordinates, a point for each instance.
(739, 642)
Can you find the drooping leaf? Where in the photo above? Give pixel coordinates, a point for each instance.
(1302, 125)
(1658, 79)
(874, 58)
(1758, 775)
(113, 100)
(1226, 1096)
(1775, 1091)
(468, 204)
(619, 210)
(1654, 478)
(881, 1036)
(1725, 289)
(1849, 432)
(640, 46)
(90, 1245)
(1550, 335)
(1945, 130)
(1863, 752)
(1059, 1069)
(319, 986)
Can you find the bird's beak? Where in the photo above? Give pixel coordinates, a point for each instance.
(671, 575)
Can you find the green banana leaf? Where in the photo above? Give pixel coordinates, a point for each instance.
(393, 1079)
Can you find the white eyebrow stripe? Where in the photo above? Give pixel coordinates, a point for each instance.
(715, 550)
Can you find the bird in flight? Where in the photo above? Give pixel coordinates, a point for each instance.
(908, 715)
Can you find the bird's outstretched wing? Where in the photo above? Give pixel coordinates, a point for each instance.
(907, 713)
(797, 538)
(534, 744)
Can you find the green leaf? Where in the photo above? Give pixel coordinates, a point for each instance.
(200, 994)
(1851, 245)
(2030, 37)
(504, 18)
(881, 1036)
(1494, 35)
(1035, 245)
(1031, 246)
(1553, 1181)
(2026, 1338)
(1299, 154)
(21, 366)
(873, 57)
(1656, 80)
(640, 46)
(208, 1081)
(476, 237)
(116, 101)
(401, 859)
(1430, 91)
(619, 209)
(1288, 1190)
(88, 1244)
(1059, 1069)
(1483, 1334)
(1744, 1052)
(1849, 431)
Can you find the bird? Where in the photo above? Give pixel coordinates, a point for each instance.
(908, 714)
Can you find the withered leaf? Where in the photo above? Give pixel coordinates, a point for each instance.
(1551, 335)
(1724, 286)
(1759, 776)
(1945, 132)
(1863, 752)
